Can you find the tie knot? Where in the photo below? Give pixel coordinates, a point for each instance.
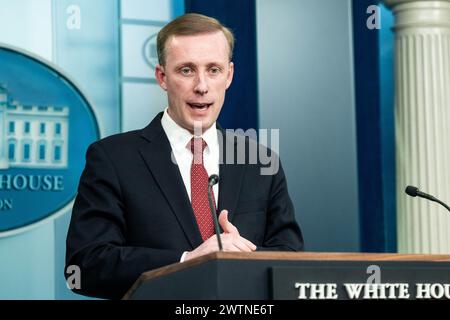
(198, 145)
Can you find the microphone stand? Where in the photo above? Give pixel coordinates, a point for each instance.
(211, 182)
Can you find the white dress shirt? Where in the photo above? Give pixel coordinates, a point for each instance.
(179, 139)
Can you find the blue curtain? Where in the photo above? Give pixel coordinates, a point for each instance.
(241, 103)
(375, 129)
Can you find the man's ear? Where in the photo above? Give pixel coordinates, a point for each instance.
(160, 76)
(230, 74)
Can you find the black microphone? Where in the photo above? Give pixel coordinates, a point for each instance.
(415, 192)
(213, 179)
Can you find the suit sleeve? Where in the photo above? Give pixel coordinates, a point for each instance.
(96, 240)
(282, 230)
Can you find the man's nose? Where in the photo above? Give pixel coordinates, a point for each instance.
(201, 85)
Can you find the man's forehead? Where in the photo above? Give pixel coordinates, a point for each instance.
(198, 42)
(217, 34)
(211, 47)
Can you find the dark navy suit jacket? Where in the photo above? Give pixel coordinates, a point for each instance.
(132, 213)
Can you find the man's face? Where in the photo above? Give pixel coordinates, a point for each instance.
(196, 75)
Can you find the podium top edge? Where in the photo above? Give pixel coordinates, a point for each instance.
(289, 256)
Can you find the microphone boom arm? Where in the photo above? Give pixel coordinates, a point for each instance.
(415, 192)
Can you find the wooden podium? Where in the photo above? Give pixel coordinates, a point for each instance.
(275, 275)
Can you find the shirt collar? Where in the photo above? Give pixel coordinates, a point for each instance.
(179, 137)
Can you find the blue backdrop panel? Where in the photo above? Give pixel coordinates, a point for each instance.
(376, 162)
(240, 109)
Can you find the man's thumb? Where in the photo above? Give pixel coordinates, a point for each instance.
(226, 225)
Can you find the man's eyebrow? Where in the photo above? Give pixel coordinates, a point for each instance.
(215, 64)
(193, 65)
(185, 64)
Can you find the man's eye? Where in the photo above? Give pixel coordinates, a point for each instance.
(214, 70)
(186, 71)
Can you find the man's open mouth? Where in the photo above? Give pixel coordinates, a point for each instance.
(199, 106)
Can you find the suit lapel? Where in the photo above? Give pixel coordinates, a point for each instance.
(230, 175)
(157, 156)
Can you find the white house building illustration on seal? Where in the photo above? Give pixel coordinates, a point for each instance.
(32, 136)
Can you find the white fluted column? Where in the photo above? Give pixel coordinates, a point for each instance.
(422, 119)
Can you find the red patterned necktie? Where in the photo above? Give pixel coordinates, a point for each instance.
(199, 189)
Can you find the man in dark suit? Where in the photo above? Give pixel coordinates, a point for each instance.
(142, 201)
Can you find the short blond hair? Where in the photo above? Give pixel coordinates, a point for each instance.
(187, 25)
